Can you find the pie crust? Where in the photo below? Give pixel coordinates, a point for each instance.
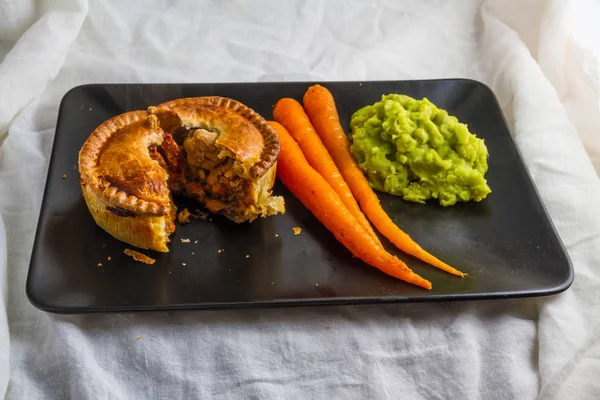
(214, 149)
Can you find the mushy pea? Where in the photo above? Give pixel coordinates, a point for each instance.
(413, 149)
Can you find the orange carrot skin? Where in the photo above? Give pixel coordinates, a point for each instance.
(289, 113)
(322, 112)
(315, 193)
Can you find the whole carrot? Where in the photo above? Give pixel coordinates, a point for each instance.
(290, 114)
(320, 107)
(315, 193)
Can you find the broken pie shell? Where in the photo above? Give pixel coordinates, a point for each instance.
(124, 189)
(256, 149)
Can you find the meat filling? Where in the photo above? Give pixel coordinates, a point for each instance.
(219, 188)
(170, 157)
(198, 167)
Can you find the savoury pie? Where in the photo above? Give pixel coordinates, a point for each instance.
(214, 149)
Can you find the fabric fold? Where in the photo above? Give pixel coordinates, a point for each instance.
(567, 182)
(37, 56)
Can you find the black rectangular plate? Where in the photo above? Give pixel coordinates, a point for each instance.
(506, 243)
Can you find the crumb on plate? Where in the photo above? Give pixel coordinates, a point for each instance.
(108, 258)
(297, 230)
(200, 214)
(139, 338)
(247, 255)
(277, 235)
(137, 256)
(99, 264)
(64, 176)
(184, 216)
(185, 240)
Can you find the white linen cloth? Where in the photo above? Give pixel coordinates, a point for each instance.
(536, 55)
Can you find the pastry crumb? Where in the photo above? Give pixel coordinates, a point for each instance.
(74, 167)
(200, 214)
(64, 176)
(139, 338)
(108, 258)
(195, 241)
(277, 235)
(247, 255)
(184, 216)
(137, 256)
(329, 327)
(184, 264)
(193, 253)
(297, 230)
(185, 240)
(99, 264)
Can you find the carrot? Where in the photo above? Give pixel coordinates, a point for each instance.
(290, 114)
(321, 109)
(315, 193)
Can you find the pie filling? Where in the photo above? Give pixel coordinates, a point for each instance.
(198, 167)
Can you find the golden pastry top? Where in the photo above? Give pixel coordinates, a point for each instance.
(241, 131)
(115, 162)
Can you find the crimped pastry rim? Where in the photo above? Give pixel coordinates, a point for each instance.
(271, 144)
(88, 160)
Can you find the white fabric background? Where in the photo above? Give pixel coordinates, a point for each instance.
(538, 57)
